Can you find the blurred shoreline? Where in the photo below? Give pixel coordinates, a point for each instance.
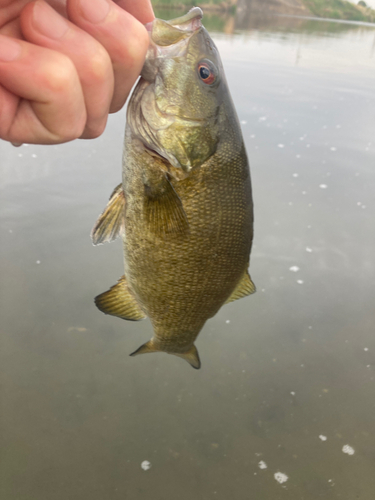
(327, 9)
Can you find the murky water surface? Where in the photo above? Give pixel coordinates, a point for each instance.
(284, 405)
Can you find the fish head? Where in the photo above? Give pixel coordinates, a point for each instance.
(175, 108)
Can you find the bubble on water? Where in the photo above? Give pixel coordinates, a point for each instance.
(300, 282)
(348, 449)
(262, 118)
(365, 349)
(252, 136)
(292, 393)
(308, 249)
(146, 465)
(280, 146)
(323, 186)
(322, 438)
(38, 261)
(262, 465)
(295, 175)
(280, 477)
(298, 156)
(227, 321)
(20, 155)
(294, 269)
(34, 155)
(333, 148)
(243, 122)
(304, 192)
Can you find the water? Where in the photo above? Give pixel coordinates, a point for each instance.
(283, 407)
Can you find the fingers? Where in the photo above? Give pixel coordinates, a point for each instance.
(141, 9)
(123, 37)
(41, 99)
(43, 26)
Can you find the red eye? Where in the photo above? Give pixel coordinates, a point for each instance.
(206, 73)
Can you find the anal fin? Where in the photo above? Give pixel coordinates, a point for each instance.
(111, 222)
(245, 287)
(119, 302)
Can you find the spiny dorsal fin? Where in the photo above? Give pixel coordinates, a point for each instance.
(191, 356)
(164, 210)
(245, 287)
(118, 301)
(111, 222)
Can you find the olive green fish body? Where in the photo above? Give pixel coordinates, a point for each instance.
(185, 206)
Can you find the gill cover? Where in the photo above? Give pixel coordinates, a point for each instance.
(174, 111)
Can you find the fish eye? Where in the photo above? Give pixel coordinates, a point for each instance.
(207, 72)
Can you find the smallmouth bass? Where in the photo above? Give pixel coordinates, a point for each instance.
(184, 208)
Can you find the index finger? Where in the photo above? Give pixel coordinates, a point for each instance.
(141, 9)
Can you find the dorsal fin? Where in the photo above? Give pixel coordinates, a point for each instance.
(245, 287)
(111, 222)
(191, 356)
(119, 302)
(145, 348)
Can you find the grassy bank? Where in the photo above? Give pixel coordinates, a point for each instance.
(333, 9)
(339, 9)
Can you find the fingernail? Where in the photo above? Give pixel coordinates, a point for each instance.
(48, 22)
(95, 11)
(10, 49)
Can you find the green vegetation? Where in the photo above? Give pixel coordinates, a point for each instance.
(331, 9)
(340, 9)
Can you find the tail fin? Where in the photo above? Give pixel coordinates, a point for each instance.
(191, 356)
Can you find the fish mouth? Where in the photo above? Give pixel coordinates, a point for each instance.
(169, 39)
(189, 22)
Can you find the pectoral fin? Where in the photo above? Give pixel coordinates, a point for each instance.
(164, 210)
(119, 302)
(191, 356)
(111, 222)
(245, 287)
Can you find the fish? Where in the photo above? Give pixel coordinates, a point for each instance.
(184, 208)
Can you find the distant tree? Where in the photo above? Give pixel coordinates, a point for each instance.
(362, 3)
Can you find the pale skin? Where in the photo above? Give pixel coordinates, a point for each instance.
(66, 64)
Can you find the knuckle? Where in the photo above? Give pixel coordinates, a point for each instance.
(60, 75)
(137, 44)
(99, 67)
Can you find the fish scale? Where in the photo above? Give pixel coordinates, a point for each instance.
(184, 208)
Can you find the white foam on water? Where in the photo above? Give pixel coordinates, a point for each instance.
(323, 438)
(294, 269)
(280, 477)
(348, 449)
(262, 465)
(146, 465)
(323, 186)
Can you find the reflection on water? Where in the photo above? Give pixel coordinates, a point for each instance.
(283, 408)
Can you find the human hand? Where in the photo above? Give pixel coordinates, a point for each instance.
(66, 64)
